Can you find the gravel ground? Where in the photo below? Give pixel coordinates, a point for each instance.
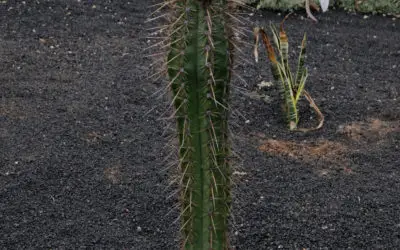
(82, 146)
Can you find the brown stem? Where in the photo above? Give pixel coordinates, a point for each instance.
(319, 114)
(309, 14)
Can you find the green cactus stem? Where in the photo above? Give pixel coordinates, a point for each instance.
(199, 70)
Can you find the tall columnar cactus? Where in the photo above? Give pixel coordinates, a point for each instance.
(199, 69)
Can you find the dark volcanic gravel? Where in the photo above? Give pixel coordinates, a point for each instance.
(82, 145)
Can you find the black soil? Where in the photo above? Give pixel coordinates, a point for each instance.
(82, 144)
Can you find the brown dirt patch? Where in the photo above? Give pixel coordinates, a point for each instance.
(372, 130)
(113, 174)
(324, 150)
(331, 153)
(12, 109)
(93, 137)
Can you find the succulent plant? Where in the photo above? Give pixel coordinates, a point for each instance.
(199, 64)
(292, 84)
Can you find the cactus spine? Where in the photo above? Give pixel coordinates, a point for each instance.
(199, 70)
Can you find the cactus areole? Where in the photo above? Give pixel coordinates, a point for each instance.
(199, 70)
